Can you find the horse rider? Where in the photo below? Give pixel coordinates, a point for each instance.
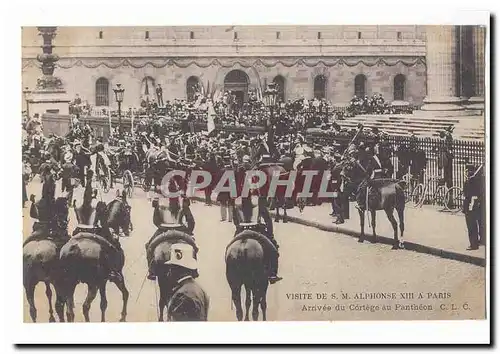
(50, 220)
(378, 167)
(169, 214)
(82, 160)
(246, 219)
(89, 215)
(188, 302)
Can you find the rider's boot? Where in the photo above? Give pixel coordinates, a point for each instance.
(273, 269)
(151, 275)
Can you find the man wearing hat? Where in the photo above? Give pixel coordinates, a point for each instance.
(82, 160)
(473, 205)
(69, 172)
(188, 302)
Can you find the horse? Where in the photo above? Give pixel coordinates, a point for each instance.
(41, 264)
(317, 164)
(86, 259)
(246, 266)
(378, 194)
(279, 199)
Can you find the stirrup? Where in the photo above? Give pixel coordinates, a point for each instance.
(274, 279)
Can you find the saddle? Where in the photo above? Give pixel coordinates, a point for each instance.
(44, 232)
(99, 239)
(253, 233)
(172, 235)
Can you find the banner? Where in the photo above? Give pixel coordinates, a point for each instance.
(210, 117)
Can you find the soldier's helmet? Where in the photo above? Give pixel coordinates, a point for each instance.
(182, 255)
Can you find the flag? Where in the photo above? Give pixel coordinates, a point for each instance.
(146, 90)
(208, 89)
(229, 29)
(210, 117)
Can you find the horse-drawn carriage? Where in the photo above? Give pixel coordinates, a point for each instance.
(126, 166)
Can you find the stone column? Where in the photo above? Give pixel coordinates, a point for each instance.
(442, 49)
(477, 102)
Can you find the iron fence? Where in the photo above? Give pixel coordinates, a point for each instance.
(445, 164)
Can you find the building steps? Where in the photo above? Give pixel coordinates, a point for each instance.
(465, 127)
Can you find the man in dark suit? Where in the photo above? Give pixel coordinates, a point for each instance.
(473, 207)
(159, 95)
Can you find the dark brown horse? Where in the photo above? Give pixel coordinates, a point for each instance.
(41, 261)
(246, 266)
(90, 258)
(278, 198)
(379, 194)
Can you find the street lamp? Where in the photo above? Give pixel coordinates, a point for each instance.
(26, 91)
(119, 98)
(270, 96)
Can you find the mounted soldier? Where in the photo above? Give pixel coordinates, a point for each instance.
(248, 216)
(92, 223)
(51, 216)
(169, 214)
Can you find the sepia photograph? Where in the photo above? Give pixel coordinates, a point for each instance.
(254, 173)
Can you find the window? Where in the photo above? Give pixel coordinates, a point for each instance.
(360, 85)
(359, 35)
(100, 34)
(400, 36)
(278, 35)
(280, 86)
(148, 89)
(191, 35)
(320, 87)
(192, 87)
(399, 87)
(146, 35)
(319, 35)
(102, 92)
(235, 35)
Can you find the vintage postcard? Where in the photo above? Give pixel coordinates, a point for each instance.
(250, 173)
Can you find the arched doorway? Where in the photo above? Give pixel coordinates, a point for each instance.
(320, 87)
(280, 83)
(399, 87)
(192, 87)
(236, 81)
(360, 86)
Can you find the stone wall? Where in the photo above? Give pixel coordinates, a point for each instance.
(299, 78)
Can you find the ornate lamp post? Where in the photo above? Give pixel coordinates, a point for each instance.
(270, 96)
(48, 60)
(119, 91)
(26, 92)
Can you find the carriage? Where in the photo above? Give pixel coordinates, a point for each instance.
(125, 165)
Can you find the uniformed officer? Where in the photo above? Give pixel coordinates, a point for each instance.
(473, 206)
(88, 214)
(248, 216)
(188, 302)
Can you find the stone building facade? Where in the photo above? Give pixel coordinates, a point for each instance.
(335, 62)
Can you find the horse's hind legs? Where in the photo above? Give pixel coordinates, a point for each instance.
(91, 294)
(30, 295)
(236, 296)
(256, 302)
(120, 284)
(392, 220)
(362, 225)
(104, 301)
(48, 293)
(248, 302)
(374, 224)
